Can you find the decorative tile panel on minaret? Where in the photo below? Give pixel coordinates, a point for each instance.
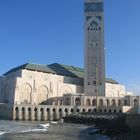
(94, 81)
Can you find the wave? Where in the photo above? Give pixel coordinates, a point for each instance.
(40, 128)
(2, 133)
(54, 122)
(32, 130)
(45, 126)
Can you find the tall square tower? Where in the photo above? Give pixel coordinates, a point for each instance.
(94, 65)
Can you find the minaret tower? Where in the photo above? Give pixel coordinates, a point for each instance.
(94, 80)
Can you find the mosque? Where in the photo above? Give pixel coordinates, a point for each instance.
(50, 92)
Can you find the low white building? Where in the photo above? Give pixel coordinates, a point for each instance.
(33, 83)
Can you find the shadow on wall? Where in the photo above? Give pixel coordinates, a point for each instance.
(53, 101)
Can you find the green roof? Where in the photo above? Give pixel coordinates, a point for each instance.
(56, 68)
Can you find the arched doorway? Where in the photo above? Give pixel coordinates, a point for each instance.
(54, 114)
(77, 101)
(135, 103)
(29, 113)
(42, 114)
(89, 110)
(101, 102)
(16, 113)
(59, 102)
(83, 110)
(94, 102)
(119, 102)
(60, 113)
(77, 110)
(48, 114)
(113, 102)
(72, 111)
(125, 102)
(35, 113)
(23, 113)
(107, 102)
(66, 112)
(88, 102)
(67, 101)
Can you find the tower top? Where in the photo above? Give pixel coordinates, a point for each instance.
(93, 6)
(91, 1)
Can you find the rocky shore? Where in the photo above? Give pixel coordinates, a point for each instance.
(112, 125)
(129, 135)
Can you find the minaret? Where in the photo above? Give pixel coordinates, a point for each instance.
(94, 80)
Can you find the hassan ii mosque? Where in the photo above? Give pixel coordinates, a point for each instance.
(50, 92)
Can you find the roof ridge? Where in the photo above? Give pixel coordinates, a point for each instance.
(37, 64)
(60, 69)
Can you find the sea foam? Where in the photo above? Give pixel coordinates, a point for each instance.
(44, 126)
(2, 133)
(39, 128)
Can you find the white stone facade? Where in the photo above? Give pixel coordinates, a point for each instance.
(33, 87)
(115, 90)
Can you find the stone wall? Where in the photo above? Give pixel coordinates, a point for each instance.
(6, 111)
(55, 112)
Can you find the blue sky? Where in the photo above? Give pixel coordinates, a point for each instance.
(48, 31)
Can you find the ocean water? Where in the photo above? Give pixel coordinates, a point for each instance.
(17, 130)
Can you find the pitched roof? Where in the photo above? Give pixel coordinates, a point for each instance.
(56, 68)
(32, 67)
